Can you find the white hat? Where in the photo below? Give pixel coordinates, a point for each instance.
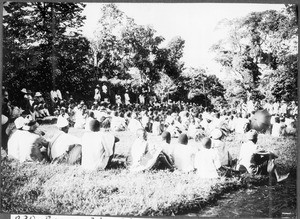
(38, 94)
(62, 122)
(24, 91)
(216, 134)
(4, 119)
(19, 122)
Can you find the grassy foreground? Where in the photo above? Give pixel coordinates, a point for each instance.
(63, 189)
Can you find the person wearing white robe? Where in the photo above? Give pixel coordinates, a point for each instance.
(97, 148)
(207, 160)
(25, 145)
(61, 142)
(183, 154)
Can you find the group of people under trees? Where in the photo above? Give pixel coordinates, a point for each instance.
(177, 123)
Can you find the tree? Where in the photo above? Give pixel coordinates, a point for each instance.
(42, 45)
(121, 47)
(260, 43)
(195, 85)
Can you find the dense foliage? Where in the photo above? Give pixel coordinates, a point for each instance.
(43, 48)
(261, 52)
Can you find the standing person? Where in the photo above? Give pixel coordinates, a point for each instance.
(283, 108)
(142, 99)
(97, 95)
(127, 98)
(256, 161)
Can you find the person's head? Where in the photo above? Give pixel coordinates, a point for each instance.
(105, 124)
(63, 124)
(199, 136)
(30, 124)
(216, 134)
(141, 134)
(252, 135)
(183, 139)
(94, 125)
(166, 136)
(206, 143)
(19, 122)
(91, 114)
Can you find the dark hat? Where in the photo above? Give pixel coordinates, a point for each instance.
(183, 139)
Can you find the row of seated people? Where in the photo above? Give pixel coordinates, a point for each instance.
(96, 148)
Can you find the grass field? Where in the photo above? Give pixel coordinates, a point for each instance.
(63, 189)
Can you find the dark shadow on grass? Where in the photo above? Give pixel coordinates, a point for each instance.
(118, 162)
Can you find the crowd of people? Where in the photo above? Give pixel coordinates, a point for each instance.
(176, 123)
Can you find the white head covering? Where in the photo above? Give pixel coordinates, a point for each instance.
(19, 122)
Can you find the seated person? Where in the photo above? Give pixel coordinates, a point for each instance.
(255, 161)
(117, 122)
(61, 143)
(278, 128)
(183, 154)
(97, 147)
(26, 145)
(207, 161)
(219, 145)
(145, 156)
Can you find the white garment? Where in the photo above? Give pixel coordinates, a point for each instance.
(183, 157)
(278, 130)
(25, 146)
(240, 125)
(207, 162)
(61, 142)
(138, 149)
(127, 98)
(246, 152)
(97, 147)
(156, 128)
(223, 153)
(97, 95)
(118, 124)
(134, 125)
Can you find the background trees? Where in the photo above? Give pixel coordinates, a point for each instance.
(261, 52)
(43, 47)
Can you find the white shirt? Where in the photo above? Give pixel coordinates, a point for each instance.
(97, 147)
(207, 162)
(61, 142)
(25, 146)
(183, 157)
(246, 152)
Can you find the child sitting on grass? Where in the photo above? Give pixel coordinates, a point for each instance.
(207, 160)
(146, 156)
(183, 154)
(255, 161)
